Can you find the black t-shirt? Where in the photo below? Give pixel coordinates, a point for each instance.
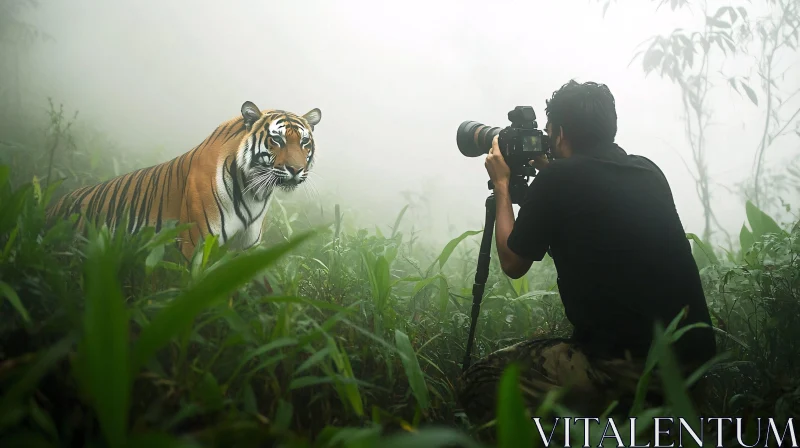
(623, 260)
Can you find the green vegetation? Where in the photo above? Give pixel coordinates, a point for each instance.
(114, 341)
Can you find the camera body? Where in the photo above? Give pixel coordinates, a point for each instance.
(520, 143)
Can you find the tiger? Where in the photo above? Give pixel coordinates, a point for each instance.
(223, 186)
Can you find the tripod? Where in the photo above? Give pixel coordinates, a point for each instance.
(482, 273)
(517, 188)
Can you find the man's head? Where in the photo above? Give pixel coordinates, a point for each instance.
(580, 116)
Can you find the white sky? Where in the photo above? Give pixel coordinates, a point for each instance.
(393, 81)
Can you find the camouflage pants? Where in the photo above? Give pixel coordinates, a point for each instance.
(589, 384)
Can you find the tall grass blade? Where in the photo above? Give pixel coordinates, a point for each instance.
(396, 225)
(451, 246)
(514, 428)
(653, 357)
(416, 378)
(105, 345)
(11, 295)
(674, 384)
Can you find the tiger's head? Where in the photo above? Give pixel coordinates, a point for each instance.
(278, 150)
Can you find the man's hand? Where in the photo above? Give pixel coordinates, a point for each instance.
(496, 166)
(540, 162)
(512, 264)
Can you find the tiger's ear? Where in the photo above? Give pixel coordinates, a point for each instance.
(313, 117)
(250, 113)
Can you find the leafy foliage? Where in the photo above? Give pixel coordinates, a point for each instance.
(111, 339)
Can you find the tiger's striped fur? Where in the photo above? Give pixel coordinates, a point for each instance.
(224, 185)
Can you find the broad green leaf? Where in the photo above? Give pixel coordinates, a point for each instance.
(703, 254)
(351, 391)
(416, 378)
(420, 285)
(105, 344)
(760, 222)
(313, 360)
(451, 246)
(382, 281)
(153, 258)
(746, 240)
(514, 428)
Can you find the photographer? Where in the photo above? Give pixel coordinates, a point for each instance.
(609, 222)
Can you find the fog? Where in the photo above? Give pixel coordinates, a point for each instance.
(393, 81)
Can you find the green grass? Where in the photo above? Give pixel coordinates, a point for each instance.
(112, 340)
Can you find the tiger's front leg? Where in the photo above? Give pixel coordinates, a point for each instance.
(250, 238)
(191, 213)
(188, 240)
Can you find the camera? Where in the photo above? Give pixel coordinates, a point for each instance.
(520, 143)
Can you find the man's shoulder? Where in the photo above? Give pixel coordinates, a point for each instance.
(649, 164)
(559, 170)
(636, 158)
(558, 166)
(568, 166)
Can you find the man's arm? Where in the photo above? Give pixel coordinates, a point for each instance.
(518, 244)
(512, 264)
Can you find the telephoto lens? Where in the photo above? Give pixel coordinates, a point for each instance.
(475, 139)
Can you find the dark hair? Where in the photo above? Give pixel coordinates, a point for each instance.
(586, 112)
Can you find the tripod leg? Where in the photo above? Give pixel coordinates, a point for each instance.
(481, 274)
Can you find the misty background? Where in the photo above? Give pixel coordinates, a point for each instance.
(393, 81)
(719, 112)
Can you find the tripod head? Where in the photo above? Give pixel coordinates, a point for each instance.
(517, 188)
